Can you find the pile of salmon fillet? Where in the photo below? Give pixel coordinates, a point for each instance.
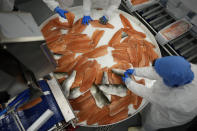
(132, 50)
(137, 2)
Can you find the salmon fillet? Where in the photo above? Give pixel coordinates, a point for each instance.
(125, 22)
(31, 104)
(88, 79)
(53, 38)
(96, 37)
(48, 27)
(98, 115)
(125, 40)
(86, 114)
(66, 59)
(133, 56)
(97, 52)
(119, 51)
(116, 38)
(113, 119)
(116, 79)
(61, 80)
(139, 101)
(99, 76)
(121, 46)
(70, 17)
(76, 44)
(80, 62)
(61, 25)
(118, 106)
(115, 98)
(82, 105)
(109, 73)
(80, 72)
(152, 54)
(137, 2)
(69, 67)
(122, 65)
(77, 27)
(121, 57)
(95, 23)
(52, 33)
(131, 32)
(82, 98)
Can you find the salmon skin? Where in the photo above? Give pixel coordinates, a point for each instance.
(99, 97)
(95, 23)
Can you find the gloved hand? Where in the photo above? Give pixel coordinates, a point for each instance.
(103, 20)
(130, 71)
(61, 12)
(86, 20)
(126, 75)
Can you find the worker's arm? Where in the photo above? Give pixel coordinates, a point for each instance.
(52, 4)
(87, 7)
(147, 72)
(138, 89)
(113, 5)
(86, 11)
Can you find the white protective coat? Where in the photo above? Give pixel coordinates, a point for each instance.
(6, 5)
(169, 106)
(64, 4)
(108, 5)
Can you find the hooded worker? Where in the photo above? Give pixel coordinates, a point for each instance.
(172, 96)
(60, 7)
(108, 5)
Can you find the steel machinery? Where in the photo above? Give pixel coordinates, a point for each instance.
(26, 74)
(159, 14)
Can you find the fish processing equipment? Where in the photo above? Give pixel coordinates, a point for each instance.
(26, 74)
(158, 15)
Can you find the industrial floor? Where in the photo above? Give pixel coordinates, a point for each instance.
(40, 13)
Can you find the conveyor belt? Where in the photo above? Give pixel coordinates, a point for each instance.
(155, 17)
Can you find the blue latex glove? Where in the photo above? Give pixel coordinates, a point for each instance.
(174, 70)
(103, 20)
(61, 12)
(126, 75)
(130, 71)
(86, 20)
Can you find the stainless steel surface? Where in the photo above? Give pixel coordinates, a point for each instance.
(158, 18)
(21, 36)
(193, 47)
(151, 11)
(18, 26)
(34, 55)
(179, 38)
(17, 121)
(184, 45)
(181, 44)
(163, 23)
(192, 57)
(62, 102)
(154, 14)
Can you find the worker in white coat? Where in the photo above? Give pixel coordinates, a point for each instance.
(108, 5)
(61, 7)
(172, 97)
(6, 5)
